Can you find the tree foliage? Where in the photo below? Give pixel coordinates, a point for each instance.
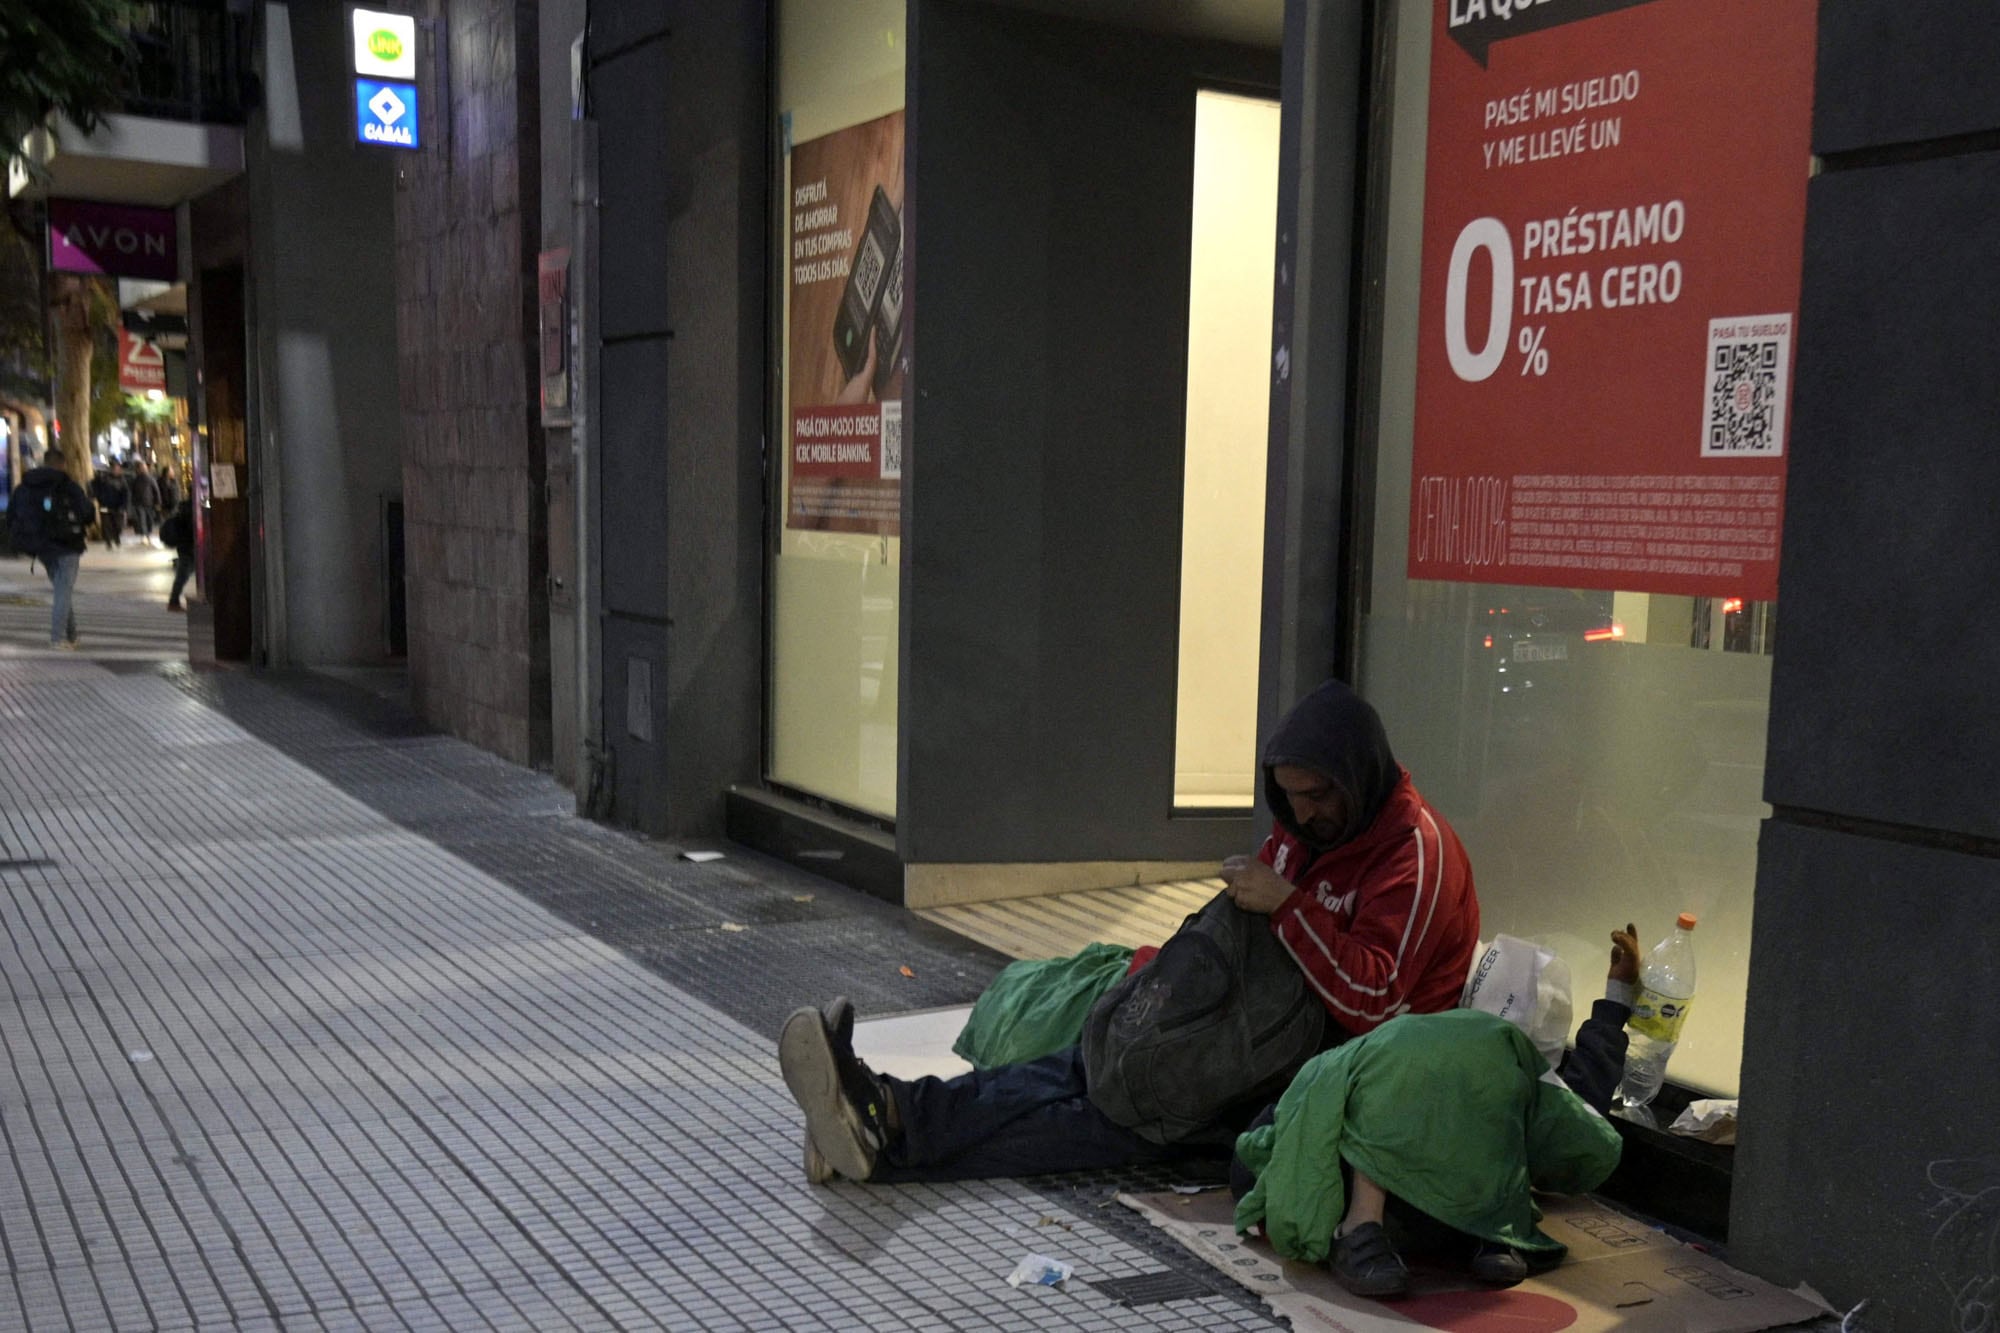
(66, 56)
(24, 353)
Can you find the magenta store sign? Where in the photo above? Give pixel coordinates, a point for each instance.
(113, 239)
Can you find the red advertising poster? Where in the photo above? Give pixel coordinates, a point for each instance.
(142, 366)
(1614, 216)
(848, 331)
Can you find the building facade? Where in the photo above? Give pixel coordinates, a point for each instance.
(931, 440)
(949, 660)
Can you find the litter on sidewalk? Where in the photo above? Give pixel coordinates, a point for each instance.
(1038, 1270)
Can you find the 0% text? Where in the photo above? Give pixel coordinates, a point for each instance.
(1534, 356)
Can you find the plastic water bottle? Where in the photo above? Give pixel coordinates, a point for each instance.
(1666, 991)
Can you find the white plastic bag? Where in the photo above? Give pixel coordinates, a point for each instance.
(1712, 1120)
(1038, 1270)
(1527, 985)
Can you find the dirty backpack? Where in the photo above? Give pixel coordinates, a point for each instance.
(40, 517)
(1222, 1017)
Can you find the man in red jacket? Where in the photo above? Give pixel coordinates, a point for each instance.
(1366, 886)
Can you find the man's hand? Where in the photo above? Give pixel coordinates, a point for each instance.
(1254, 886)
(1625, 955)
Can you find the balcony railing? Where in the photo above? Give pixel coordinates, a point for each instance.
(191, 61)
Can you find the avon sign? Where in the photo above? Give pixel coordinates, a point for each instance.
(112, 239)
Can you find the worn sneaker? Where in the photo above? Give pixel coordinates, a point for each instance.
(846, 1120)
(1364, 1262)
(817, 1171)
(839, 1021)
(840, 1025)
(1496, 1263)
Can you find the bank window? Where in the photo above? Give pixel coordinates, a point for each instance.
(1600, 750)
(839, 363)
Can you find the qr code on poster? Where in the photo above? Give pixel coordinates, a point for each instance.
(1748, 385)
(892, 440)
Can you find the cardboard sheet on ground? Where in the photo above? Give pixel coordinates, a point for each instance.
(1620, 1275)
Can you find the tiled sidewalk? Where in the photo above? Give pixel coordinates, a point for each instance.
(277, 1059)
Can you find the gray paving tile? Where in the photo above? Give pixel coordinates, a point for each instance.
(327, 1041)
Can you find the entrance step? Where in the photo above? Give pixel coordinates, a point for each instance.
(1061, 924)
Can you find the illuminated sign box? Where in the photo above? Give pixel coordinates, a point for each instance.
(116, 239)
(385, 114)
(385, 45)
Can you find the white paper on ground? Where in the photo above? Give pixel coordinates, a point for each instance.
(1712, 1120)
(1038, 1270)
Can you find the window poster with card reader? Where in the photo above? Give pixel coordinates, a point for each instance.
(846, 366)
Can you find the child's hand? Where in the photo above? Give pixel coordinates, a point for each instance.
(1625, 955)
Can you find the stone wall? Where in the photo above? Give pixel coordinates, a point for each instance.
(468, 218)
(1868, 1160)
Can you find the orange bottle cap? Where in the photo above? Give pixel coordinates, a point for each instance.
(1687, 920)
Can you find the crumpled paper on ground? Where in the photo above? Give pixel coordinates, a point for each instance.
(1712, 1120)
(1038, 1270)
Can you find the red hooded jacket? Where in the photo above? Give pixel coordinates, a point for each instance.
(1386, 922)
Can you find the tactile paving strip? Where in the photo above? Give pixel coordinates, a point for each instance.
(751, 936)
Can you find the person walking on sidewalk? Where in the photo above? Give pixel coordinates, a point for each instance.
(178, 532)
(47, 519)
(113, 497)
(1362, 884)
(145, 501)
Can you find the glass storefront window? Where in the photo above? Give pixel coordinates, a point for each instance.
(1234, 229)
(1601, 753)
(839, 371)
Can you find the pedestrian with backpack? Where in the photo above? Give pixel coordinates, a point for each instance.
(47, 519)
(1359, 907)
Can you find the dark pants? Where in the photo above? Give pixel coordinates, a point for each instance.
(183, 566)
(113, 523)
(1018, 1120)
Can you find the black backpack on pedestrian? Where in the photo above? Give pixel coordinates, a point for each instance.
(41, 517)
(1220, 1019)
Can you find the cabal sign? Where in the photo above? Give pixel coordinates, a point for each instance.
(112, 239)
(385, 45)
(386, 113)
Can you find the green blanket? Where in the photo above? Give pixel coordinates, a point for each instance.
(1037, 1006)
(1448, 1112)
